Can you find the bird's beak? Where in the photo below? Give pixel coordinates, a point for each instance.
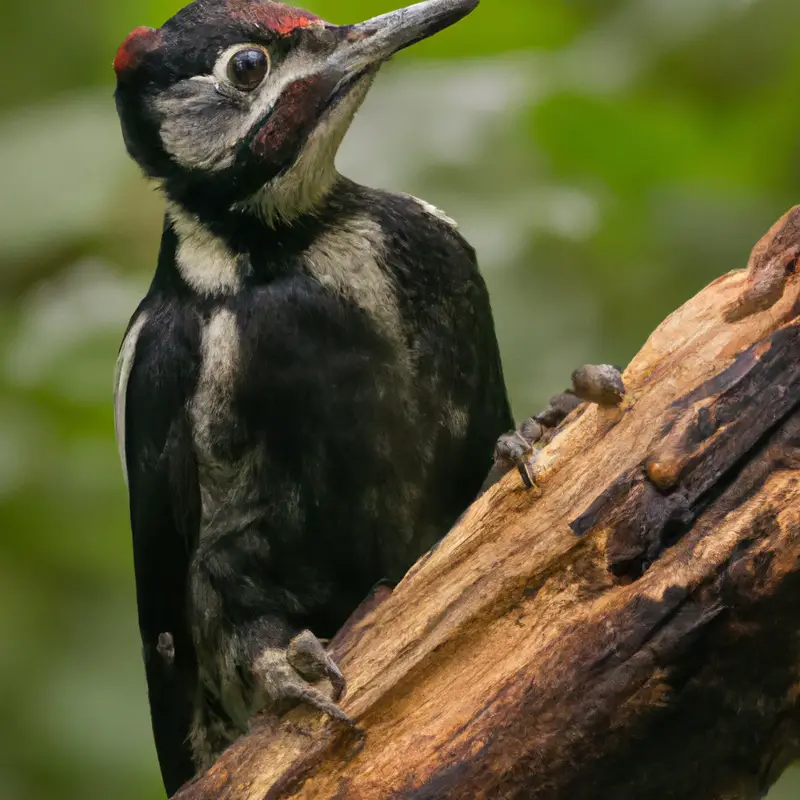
(370, 43)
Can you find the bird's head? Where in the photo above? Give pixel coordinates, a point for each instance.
(236, 102)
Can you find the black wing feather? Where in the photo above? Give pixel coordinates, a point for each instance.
(164, 510)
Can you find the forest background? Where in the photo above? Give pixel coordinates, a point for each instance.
(607, 158)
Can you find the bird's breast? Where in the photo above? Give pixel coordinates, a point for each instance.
(211, 406)
(225, 479)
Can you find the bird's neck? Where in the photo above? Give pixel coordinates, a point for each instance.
(216, 252)
(302, 190)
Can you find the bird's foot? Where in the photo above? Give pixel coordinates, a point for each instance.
(287, 677)
(601, 384)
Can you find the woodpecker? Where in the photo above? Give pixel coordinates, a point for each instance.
(310, 393)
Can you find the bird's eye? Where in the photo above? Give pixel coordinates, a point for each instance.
(248, 68)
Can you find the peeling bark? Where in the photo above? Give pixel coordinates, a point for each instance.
(628, 628)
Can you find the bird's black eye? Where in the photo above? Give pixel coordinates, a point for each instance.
(248, 68)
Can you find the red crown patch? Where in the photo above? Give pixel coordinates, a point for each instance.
(138, 43)
(275, 17)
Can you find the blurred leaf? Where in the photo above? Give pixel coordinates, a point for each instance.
(62, 164)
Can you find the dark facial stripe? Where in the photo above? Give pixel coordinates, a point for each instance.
(297, 111)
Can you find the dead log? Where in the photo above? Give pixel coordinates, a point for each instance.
(629, 628)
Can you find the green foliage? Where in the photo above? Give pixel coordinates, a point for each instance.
(606, 157)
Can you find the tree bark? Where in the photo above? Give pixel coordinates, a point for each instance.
(629, 627)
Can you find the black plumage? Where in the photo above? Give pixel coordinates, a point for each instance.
(308, 397)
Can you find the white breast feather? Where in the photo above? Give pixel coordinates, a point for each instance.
(122, 374)
(204, 260)
(433, 211)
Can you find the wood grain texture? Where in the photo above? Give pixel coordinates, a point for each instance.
(630, 627)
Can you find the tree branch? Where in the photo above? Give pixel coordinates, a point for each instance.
(628, 627)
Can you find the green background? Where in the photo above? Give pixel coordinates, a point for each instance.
(607, 157)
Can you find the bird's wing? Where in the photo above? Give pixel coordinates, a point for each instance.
(158, 463)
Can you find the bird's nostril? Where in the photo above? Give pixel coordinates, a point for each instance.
(358, 34)
(320, 40)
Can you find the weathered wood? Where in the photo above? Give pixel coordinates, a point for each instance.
(629, 628)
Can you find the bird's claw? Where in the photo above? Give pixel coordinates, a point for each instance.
(601, 384)
(287, 676)
(513, 449)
